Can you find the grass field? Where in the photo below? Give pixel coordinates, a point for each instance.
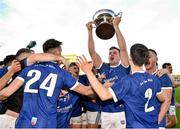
(177, 97)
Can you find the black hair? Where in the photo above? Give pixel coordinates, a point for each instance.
(72, 64)
(139, 54)
(113, 47)
(8, 59)
(165, 65)
(51, 43)
(152, 50)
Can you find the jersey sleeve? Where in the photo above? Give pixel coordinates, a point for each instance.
(158, 87)
(3, 71)
(104, 68)
(120, 89)
(69, 81)
(166, 82)
(127, 68)
(22, 75)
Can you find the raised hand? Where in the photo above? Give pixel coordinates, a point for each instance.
(101, 77)
(108, 83)
(15, 66)
(84, 65)
(89, 25)
(161, 72)
(116, 21)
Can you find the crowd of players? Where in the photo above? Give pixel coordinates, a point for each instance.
(35, 92)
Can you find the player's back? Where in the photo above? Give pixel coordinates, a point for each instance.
(141, 103)
(43, 82)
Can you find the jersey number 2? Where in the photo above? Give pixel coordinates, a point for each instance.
(51, 78)
(148, 94)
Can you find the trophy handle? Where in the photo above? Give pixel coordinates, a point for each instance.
(119, 14)
(94, 24)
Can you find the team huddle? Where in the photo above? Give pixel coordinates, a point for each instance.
(127, 92)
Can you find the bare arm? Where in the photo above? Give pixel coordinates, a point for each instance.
(91, 46)
(160, 97)
(42, 57)
(121, 42)
(84, 90)
(167, 94)
(162, 110)
(14, 86)
(101, 91)
(15, 67)
(175, 84)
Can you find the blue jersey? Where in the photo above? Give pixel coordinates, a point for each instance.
(42, 85)
(3, 71)
(65, 108)
(87, 103)
(113, 74)
(166, 83)
(78, 107)
(138, 91)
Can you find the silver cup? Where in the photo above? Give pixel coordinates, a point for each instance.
(103, 21)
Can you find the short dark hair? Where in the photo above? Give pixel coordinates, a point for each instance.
(51, 43)
(152, 50)
(165, 65)
(8, 59)
(72, 64)
(113, 47)
(139, 54)
(23, 50)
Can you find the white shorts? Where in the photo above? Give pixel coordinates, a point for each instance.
(7, 121)
(92, 118)
(172, 110)
(115, 120)
(161, 128)
(84, 119)
(76, 120)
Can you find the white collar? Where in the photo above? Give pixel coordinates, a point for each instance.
(138, 72)
(114, 66)
(154, 72)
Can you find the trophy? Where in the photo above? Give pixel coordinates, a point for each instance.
(103, 21)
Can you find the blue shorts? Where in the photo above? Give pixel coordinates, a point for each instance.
(24, 122)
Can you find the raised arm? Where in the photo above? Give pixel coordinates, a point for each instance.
(91, 46)
(101, 91)
(121, 42)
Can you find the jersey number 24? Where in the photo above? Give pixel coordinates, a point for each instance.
(50, 79)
